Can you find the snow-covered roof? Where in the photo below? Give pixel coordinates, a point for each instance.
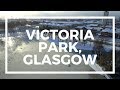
(92, 25)
(80, 27)
(79, 46)
(109, 30)
(97, 28)
(108, 26)
(62, 22)
(117, 30)
(56, 24)
(90, 28)
(90, 21)
(36, 26)
(27, 25)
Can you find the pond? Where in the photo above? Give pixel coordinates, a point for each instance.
(19, 46)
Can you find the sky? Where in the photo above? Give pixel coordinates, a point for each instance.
(55, 13)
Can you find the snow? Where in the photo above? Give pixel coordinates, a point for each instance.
(23, 49)
(55, 24)
(79, 46)
(27, 25)
(96, 67)
(92, 21)
(56, 41)
(80, 27)
(92, 25)
(88, 22)
(88, 45)
(109, 30)
(36, 26)
(61, 23)
(68, 22)
(107, 47)
(89, 28)
(108, 26)
(117, 31)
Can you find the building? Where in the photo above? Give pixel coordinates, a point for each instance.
(106, 13)
(105, 21)
(107, 32)
(117, 33)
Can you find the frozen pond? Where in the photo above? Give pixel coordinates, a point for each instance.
(20, 46)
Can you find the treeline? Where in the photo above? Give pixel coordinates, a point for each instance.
(104, 58)
(14, 24)
(117, 64)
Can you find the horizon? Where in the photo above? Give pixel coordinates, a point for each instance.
(56, 13)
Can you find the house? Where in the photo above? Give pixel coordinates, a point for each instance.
(88, 27)
(107, 32)
(117, 33)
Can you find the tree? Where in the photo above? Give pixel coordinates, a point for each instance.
(98, 48)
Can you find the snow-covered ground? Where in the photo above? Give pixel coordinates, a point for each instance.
(79, 46)
(20, 46)
(15, 62)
